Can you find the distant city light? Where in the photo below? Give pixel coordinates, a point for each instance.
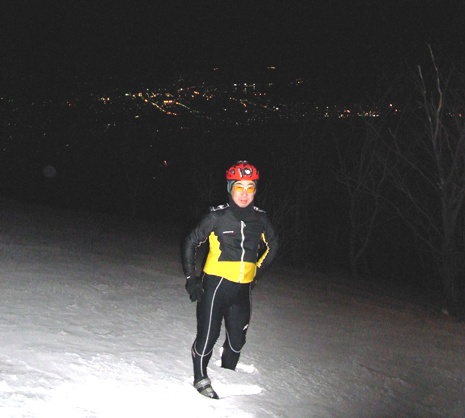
(256, 101)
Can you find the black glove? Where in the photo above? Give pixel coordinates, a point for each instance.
(194, 288)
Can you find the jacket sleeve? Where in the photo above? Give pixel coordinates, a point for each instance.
(194, 240)
(270, 239)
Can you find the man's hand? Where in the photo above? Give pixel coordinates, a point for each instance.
(194, 288)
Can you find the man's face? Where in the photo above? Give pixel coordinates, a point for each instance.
(243, 193)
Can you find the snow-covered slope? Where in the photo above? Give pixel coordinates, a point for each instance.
(95, 322)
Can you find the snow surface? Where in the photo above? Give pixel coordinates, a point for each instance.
(95, 322)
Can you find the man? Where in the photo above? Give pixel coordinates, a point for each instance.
(242, 245)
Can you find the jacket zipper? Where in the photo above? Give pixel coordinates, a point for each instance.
(241, 271)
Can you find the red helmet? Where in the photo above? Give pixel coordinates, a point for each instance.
(242, 170)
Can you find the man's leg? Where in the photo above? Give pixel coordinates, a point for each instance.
(237, 319)
(209, 318)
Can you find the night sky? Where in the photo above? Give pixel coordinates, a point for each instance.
(75, 153)
(340, 45)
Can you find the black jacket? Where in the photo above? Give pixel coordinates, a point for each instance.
(239, 249)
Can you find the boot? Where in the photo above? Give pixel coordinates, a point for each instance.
(204, 387)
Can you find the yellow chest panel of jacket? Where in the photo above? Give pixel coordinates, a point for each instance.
(237, 270)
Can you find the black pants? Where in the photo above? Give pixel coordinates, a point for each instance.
(221, 299)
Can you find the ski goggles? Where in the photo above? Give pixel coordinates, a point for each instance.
(239, 188)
